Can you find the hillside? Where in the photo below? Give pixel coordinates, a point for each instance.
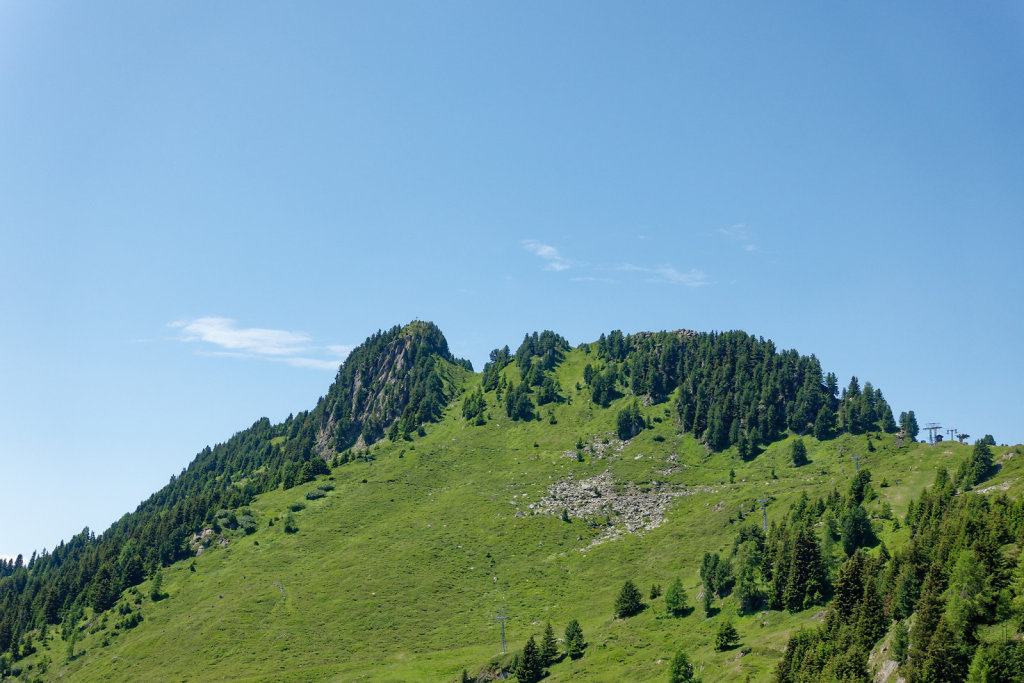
(377, 536)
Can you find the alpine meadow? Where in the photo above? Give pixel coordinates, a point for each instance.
(662, 506)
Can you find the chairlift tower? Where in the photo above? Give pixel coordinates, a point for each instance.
(931, 428)
(500, 618)
(856, 461)
(764, 514)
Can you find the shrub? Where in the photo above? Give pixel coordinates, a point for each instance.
(313, 494)
(295, 507)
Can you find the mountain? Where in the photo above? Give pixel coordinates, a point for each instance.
(378, 535)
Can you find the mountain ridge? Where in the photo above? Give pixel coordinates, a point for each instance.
(679, 437)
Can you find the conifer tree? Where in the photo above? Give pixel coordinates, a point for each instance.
(966, 596)
(726, 637)
(824, 423)
(947, 659)
(530, 669)
(574, 643)
(629, 601)
(675, 598)
(928, 611)
(680, 670)
(798, 452)
(871, 622)
(548, 646)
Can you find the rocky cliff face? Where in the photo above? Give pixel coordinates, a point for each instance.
(402, 377)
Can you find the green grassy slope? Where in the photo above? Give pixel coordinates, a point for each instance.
(397, 572)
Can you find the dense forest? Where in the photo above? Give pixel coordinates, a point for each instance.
(730, 388)
(961, 569)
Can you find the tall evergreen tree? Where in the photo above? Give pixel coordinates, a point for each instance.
(726, 637)
(629, 602)
(574, 642)
(530, 669)
(680, 670)
(675, 599)
(548, 646)
(798, 452)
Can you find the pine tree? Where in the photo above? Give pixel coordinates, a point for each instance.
(680, 670)
(548, 646)
(629, 601)
(675, 599)
(530, 669)
(574, 643)
(155, 592)
(947, 659)
(966, 598)
(824, 423)
(106, 589)
(872, 622)
(928, 611)
(798, 452)
(726, 637)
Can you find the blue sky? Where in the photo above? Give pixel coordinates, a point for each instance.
(204, 206)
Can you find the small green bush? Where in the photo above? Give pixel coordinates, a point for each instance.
(295, 507)
(313, 494)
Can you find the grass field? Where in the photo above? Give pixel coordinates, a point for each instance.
(396, 574)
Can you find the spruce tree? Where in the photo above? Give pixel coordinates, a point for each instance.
(675, 599)
(928, 611)
(629, 601)
(680, 670)
(574, 643)
(726, 637)
(548, 646)
(872, 622)
(798, 452)
(530, 669)
(947, 659)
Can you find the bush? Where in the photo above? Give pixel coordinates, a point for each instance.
(314, 494)
(295, 507)
(326, 486)
(289, 524)
(658, 437)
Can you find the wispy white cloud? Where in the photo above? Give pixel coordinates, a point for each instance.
(669, 275)
(228, 340)
(589, 278)
(554, 260)
(740, 234)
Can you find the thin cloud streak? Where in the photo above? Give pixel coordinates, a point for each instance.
(741, 234)
(283, 346)
(555, 261)
(669, 275)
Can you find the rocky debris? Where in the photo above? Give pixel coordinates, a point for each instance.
(997, 487)
(607, 447)
(621, 507)
(199, 542)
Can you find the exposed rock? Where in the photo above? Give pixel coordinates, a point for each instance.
(624, 508)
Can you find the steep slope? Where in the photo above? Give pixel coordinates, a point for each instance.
(392, 565)
(402, 375)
